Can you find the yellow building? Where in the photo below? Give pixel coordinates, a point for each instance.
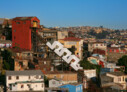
(70, 42)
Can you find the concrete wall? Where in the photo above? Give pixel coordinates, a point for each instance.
(55, 83)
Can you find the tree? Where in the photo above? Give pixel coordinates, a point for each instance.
(8, 63)
(72, 49)
(123, 62)
(87, 65)
(46, 80)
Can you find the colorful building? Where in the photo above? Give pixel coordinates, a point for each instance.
(25, 81)
(22, 28)
(97, 45)
(73, 87)
(77, 43)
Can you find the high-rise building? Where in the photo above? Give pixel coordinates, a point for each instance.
(23, 30)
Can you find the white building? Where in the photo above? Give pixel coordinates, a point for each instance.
(28, 80)
(97, 45)
(55, 82)
(90, 73)
(5, 44)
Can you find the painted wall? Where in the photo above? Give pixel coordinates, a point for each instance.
(78, 45)
(90, 73)
(21, 33)
(23, 78)
(72, 88)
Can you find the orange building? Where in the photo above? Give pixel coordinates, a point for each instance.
(66, 77)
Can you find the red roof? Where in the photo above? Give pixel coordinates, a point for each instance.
(23, 18)
(71, 39)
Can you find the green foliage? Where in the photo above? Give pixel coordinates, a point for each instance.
(31, 66)
(46, 80)
(123, 62)
(72, 49)
(2, 79)
(8, 63)
(87, 65)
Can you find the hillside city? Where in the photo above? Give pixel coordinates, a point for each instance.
(35, 58)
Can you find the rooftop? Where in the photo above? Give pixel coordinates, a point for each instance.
(96, 42)
(60, 72)
(49, 31)
(75, 84)
(106, 79)
(117, 73)
(26, 72)
(23, 18)
(56, 79)
(71, 39)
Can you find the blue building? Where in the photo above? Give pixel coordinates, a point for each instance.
(73, 87)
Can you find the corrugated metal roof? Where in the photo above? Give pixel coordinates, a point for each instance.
(26, 72)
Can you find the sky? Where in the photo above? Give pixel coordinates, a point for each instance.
(65, 13)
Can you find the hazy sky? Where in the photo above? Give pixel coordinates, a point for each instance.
(109, 13)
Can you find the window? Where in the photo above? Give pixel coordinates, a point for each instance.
(17, 22)
(10, 86)
(123, 78)
(9, 77)
(29, 77)
(44, 62)
(22, 86)
(42, 76)
(119, 79)
(28, 54)
(17, 77)
(37, 76)
(28, 85)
